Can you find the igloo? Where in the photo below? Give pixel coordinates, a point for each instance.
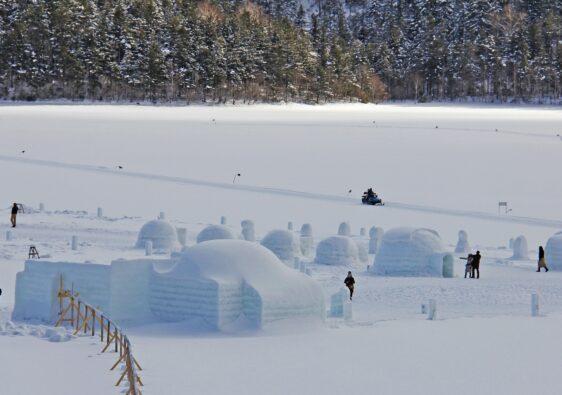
(412, 252)
(161, 233)
(284, 244)
(215, 232)
(463, 246)
(520, 251)
(337, 250)
(553, 252)
(233, 283)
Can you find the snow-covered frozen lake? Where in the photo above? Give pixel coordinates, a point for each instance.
(440, 167)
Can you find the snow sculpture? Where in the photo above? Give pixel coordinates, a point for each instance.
(306, 240)
(248, 231)
(463, 246)
(182, 236)
(375, 237)
(215, 232)
(284, 244)
(289, 226)
(344, 229)
(234, 283)
(162, 215)
(74, 243)
(412, 252)
(162, 234)
(100, 212)
(223, 220)
(363, 232)
(520, 251)
(337, 250)
(511, 241)
(553, 252)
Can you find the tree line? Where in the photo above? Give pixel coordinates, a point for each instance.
(280, 50)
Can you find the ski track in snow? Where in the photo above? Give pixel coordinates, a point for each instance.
(286, 192)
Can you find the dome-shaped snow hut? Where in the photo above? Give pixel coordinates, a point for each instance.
(520, 249)
(226, 283)
(337, 250)
(553, 252)
(215, 232)
(284, 244)
(161, 233)
(412, 252)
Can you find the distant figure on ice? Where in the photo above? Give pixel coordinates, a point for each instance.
(476, 265)
(468, 267)
(14, 214)
(542, 261)
(370, 192)
(350, 284)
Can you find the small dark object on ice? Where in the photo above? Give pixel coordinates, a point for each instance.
(23, 152)
(436, 127)
(120, 167)
(371, 198)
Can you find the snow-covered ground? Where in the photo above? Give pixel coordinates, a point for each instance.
(440, 167)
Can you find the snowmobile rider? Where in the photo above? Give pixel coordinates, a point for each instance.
(370, 193)
(15, 209)
(350, 284)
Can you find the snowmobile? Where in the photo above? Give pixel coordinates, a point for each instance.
(372, 199)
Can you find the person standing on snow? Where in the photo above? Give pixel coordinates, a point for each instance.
(350, 284)
(542, 261)
(476, 265)
(14, 215)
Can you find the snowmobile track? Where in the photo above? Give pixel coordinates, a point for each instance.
(287, 192)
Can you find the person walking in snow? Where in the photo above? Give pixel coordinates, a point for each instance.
(350, 284)
(15, 209)
(476, 265)
(542, 261)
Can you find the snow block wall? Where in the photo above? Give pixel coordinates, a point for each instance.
(37, 287)
(227, 283)
(411, 252)
(337, 250)
(520, 250)
(306, 240)
(129, 284)
(553, 252)
(222, 284)
(161, 233)
(215, 232)
(375, 237)
(284, 244)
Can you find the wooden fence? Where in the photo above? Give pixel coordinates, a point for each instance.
(84, 318)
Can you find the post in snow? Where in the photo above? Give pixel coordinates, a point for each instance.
(432, 312)
(162, 215)
(535, 305)
(290, 226)
(74, 243)
(148, 248)
(223, 220)
(100, 212)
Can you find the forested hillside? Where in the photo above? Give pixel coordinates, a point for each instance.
(275, 50)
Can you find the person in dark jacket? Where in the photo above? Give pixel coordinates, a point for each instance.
(476, 265)
(542, 261)
(350, 284)
(14, 214)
